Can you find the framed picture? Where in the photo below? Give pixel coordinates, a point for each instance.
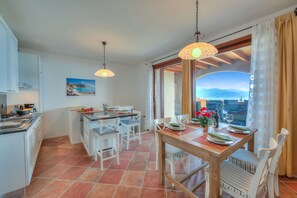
(80, 87)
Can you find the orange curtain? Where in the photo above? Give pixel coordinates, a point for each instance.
(286, 107)
(186, 87)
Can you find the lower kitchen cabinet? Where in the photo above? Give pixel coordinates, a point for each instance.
(18, 154)
(12, 162)
(34, 138)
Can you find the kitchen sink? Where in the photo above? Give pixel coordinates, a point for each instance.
(11, 124)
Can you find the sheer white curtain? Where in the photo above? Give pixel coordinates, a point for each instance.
(150, 100)
(261, 113)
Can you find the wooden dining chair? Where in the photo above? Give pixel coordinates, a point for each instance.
(129, 127)
(107, 140)
(250, 161)
(172, 153)
(239, 182)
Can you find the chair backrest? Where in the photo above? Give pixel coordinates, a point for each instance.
(108, 125)
(260, 177)
(184, 118)
(161, 123)
(281, 138)
(138, 116)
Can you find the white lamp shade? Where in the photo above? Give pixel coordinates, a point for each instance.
(104, 73)
(198, 50)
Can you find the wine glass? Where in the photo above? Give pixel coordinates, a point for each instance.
(212, 123)
(229, 118)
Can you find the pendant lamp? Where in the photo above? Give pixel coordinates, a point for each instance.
(197, 50)
(104, 72)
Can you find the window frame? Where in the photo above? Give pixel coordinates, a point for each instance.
(223, 47)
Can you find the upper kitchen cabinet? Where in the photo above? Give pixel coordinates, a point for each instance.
(8, 59)
(28, 71)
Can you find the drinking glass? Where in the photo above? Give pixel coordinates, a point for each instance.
(212, 123)
(229, 118)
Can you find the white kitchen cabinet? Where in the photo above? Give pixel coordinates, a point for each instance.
(89, 138)
(30, 152)
(8, 59)
(29, 71)
(34, 136)
(12, 162)
(74, 124)
(38, 135)
(3, 58)
(18, 154)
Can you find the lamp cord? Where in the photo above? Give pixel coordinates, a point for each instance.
(197, 33)
(104, 55)
(196, 15)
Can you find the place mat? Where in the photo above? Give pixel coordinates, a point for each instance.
(183, 132)
(193, 125)
(203, 140)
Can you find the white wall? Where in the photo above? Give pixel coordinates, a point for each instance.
(122, 89)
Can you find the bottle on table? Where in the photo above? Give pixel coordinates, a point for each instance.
(217, 118)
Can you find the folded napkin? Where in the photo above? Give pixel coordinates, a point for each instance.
(174, 125)
(220, 136)
(242, 128)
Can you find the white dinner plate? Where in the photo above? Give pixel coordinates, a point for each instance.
(231, 129)
(219, 141)
(176, 128)
(194, 122)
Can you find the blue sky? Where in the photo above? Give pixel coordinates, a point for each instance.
(224, 80)
(79, 81)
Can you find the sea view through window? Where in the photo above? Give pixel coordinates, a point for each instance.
(224, 92)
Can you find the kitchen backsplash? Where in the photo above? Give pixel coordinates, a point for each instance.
(8, 101)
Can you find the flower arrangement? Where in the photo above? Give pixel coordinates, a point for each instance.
(203, 116)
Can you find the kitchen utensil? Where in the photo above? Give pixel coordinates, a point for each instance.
(29, 105)
(23, 112)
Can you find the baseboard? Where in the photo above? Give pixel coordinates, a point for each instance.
(54, 135)
(75, 142)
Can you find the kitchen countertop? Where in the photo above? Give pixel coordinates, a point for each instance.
(25, 125)
(85, 112)
(109, 115)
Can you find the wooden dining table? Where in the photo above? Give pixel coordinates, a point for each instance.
(194, 141)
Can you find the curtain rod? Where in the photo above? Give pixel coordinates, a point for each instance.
(247, 28)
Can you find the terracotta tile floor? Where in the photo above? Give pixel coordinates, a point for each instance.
(65, 170)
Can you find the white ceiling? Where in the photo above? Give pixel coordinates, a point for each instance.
(135, 30)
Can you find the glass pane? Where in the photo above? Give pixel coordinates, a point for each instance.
(224, 92)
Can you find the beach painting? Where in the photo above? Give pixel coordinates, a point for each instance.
(80, 87)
